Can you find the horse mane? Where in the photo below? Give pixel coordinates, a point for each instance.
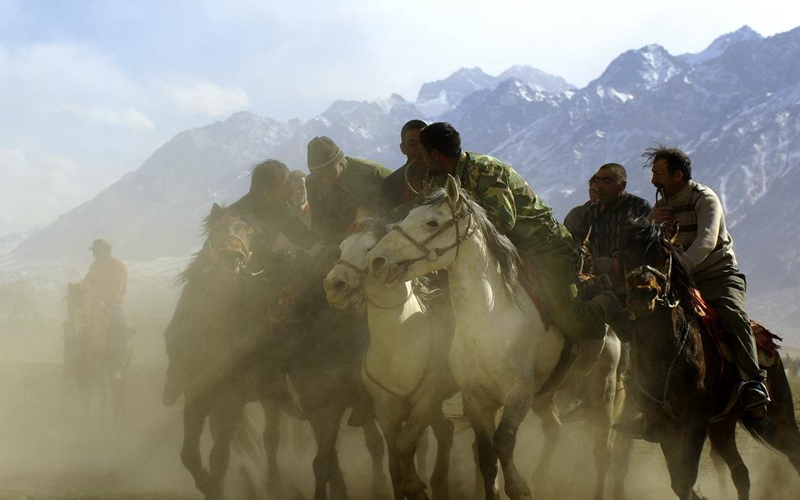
(369, 224)
(499, 245)
(652, 235)
(200, 258)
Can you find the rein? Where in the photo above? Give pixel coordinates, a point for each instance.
(664, 301)
(663, 402)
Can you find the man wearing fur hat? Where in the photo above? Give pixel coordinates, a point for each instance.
(340, 188)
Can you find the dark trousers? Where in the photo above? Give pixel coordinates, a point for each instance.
(726, 292)
(553, 262)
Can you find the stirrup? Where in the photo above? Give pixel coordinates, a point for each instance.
(751, 387)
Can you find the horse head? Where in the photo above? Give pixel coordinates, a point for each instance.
(228, 244)
(427, 240)
(344, 283)
(81, 301)
(654, 272)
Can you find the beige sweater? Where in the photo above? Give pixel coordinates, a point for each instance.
(708, 247)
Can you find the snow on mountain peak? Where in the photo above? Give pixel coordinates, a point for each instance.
(721, 44)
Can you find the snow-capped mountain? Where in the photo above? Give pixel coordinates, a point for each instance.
(438, 97)
(734, 107)
(442, 96)
(487, 118)
(735, 114)
(721, 44)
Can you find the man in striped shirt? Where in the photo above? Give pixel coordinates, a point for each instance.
(708, 252)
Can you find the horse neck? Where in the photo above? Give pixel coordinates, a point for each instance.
(476, 282)
(388, 309)
(658, 337)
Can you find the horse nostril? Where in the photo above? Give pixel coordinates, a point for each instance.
(377, 264)
(339, 285)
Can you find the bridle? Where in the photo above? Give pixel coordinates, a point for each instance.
(459, 239)
(363, 272)
(246, 254)
(664, 278)
(663, 298)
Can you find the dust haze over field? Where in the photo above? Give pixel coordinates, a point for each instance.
(46, 451)
(129, 120)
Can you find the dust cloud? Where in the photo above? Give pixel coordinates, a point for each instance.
(50, 449)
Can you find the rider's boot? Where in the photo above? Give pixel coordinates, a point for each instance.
(754, 396)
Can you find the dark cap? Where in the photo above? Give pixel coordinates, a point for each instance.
(323, 153)
(100, 244)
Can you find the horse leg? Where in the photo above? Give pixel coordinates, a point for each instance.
(407, 439)
(544, 408)
(195, 411)
(325, 424)
(724, 451)
(374, 442)
(443, 430)
(423, 446)
(621, 457)
(481, 418)
(390, 416)
(223, 423)
(682, 454)
(271, 436)
(516, 407)
(601, 390)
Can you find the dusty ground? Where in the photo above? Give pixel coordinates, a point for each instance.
(47, 453)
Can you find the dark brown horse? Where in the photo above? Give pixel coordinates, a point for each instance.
(235, 335)
(215, 341)
(686, 388)
(320, 348)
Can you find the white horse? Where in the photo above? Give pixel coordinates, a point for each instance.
(405, 367)
(502, 352)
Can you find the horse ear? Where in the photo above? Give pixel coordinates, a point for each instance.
(451, 190)
(216, 210)
(671, 231)
(676, 228)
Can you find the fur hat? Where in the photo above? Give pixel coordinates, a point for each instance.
(323, 153)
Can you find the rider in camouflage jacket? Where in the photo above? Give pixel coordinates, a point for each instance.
(545, 246)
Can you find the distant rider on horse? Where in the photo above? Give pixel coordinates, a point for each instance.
(109, 279)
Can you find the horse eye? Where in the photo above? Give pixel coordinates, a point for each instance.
(433, 223)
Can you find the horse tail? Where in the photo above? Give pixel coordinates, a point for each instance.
(247, 440)
(779, 429)
(760, 428)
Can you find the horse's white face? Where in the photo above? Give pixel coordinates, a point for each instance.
(344, 284)
(397, 259)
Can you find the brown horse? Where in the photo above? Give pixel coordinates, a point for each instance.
(85, 350)
(686, 388)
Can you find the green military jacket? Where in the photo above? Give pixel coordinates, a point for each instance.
(334, 207)
(512, 206)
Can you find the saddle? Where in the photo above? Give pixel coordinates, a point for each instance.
(766, 342)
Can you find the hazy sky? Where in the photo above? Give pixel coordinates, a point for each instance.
(88, 89)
